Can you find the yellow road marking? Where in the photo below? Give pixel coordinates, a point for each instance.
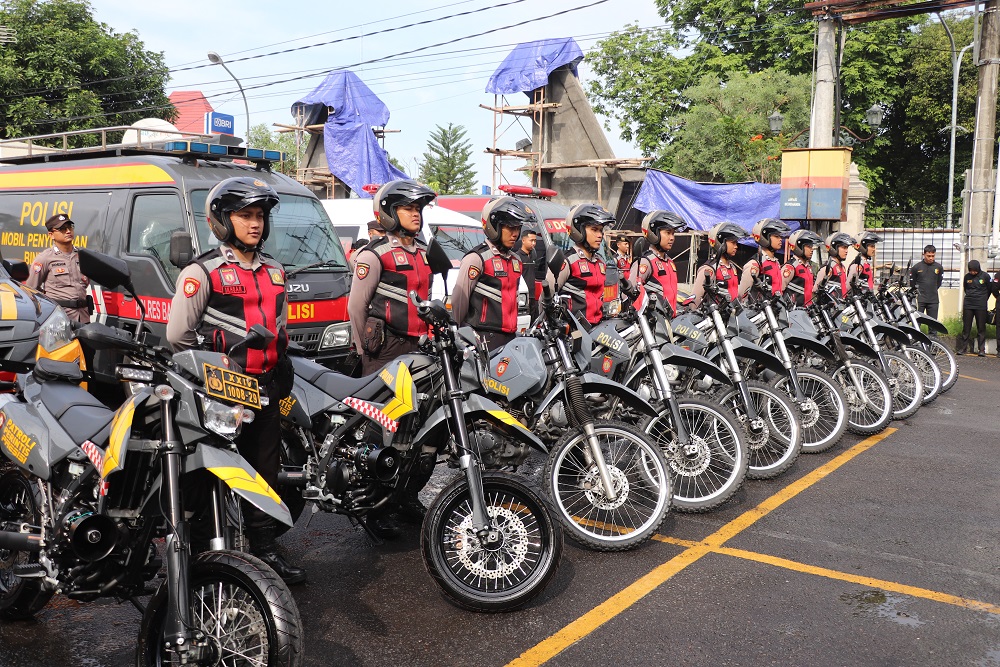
(969, 377)
(615, 605)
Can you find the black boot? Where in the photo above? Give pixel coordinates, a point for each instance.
(264, 547)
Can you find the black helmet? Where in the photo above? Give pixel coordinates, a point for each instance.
(866, 239)
(766, 228)
(801, 239)
(506, 212)
(837, 240)
(234, 194)
(655, 221)
(394, 194)
(584, 215)
(722, 232)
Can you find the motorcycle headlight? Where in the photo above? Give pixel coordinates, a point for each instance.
(222, 418)
(671, 372)
(522, 301)
(336, 335)
(612, 308)
(56, 332)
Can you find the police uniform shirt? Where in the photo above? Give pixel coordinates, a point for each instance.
(927, 278)
(191, 298)
(57, 275)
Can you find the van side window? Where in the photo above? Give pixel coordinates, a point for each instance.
(154, 218)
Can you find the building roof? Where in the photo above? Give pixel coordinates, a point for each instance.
(191, 109)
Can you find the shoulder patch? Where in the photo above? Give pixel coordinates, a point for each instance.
(787, 270)
(362, 271)
(473, 273)
(277, 276)
(36, 267)
(191, 287)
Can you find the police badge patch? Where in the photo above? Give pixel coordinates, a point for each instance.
(473, 273)
(362, 271)
(229, 277)
(191, 287)
(277, 276)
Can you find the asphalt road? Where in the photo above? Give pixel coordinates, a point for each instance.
(878, 552)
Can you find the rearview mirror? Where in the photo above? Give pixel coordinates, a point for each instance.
(104, 270)
(259, 337)
(17, 270)
(181, 249)
(438, 259)
(554, 259)
(639, 248)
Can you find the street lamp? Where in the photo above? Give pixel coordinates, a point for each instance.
(873, 118)
(216, 59)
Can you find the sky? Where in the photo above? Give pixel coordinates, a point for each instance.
(435, 86)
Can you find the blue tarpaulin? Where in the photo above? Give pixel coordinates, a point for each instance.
(528, 66)
(703, 205)
(352, 151)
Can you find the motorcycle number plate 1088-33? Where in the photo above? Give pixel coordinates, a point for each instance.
(231, 386)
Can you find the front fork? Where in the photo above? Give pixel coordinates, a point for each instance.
(654, 361)
(734, 371)
(786, 359)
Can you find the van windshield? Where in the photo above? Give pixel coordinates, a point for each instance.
(457, 240)
(301, 233)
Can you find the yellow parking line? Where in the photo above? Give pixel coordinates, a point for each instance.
(969, 377)
(615, 605)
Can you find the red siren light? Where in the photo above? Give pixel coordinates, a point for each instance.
(527, 190)
(371, 188)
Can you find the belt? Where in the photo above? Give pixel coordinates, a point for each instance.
(71, 303)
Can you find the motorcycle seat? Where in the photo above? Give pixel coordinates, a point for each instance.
(336, 384)
(77, 411)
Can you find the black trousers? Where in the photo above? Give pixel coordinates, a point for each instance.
(393, 347)
(963, 340)
(259, 443)
(929, 308)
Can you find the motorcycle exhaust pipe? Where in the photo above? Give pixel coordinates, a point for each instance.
(20, 541)
(92, 536)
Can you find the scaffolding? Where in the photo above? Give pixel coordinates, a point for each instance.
(536, 111)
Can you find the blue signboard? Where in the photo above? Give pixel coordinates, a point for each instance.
(219, 123)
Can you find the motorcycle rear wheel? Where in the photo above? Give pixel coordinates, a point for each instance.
(930, 374)
(945, 359)
(259, 621)
(865, 417)
(491, 578)
(824, 419)
(638, 472)
(772, 450)
(909, 386)
(19, 503)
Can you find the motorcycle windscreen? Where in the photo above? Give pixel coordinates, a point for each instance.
(239, 476)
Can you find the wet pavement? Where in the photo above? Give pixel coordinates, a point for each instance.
(884, 553)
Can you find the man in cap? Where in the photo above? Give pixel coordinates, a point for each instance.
(56, 271)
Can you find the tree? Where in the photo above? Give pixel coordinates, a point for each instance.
(446, 166)
(69, 72)
(261, 137)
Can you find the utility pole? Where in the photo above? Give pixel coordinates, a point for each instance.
(983, 183)
(823, 111)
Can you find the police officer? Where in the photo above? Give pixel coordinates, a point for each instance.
(863, 266)
(770, 234)
(218, 298)
(622, 259)
(56, 270)
(655, 270)
(978, 289)
(837, 245)
(529, 239)
(798, 275)
(723, 238)
(384, 321)
(927, 276)
(583, 272)
(485, 294)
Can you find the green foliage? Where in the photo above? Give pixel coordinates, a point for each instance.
(447, 167)
(67, 72)
(261, 137)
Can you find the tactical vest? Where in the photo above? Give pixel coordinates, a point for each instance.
(585, 285)
(662, 280)
(402, 272)
(493, 302)
(239, 299)
(800, 287)
(838, 271)
(771, 267)
(867, 271)
(727, 275)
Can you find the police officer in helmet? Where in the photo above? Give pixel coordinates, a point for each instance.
(485, 294)
(835, 269)
(723, 239)
(798, 275)
(770, 235)
(218, 298)
(583, 272)
(655, 270)
(863, 265)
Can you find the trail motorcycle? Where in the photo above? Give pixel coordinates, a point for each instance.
(487, 539)
(770, 421)
(867, 390)
(703, 442)
(608, 482)
(88, 491)
(818, 396)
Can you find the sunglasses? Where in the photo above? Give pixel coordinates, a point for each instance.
(65, 228)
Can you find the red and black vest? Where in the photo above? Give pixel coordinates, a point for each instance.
(239, 299)
(585, 285)
(622, 263)
(800, 287)
(662, 279)
(493, 302)
(838, 271)
(771, 267)
(403, 271)
(727, 275)
(867, 271)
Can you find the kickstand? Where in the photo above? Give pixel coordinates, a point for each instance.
(363, 522)
(138, 605)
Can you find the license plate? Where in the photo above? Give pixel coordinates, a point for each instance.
(230, 386)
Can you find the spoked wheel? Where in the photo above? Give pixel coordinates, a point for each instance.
(240, 605)
(907, 386)
(638, 473)
(774, 438)
(19, 503)
(930, 374)
(945, 360)
(711, 466)
(823, 413)
(506, 566)
(869, 406)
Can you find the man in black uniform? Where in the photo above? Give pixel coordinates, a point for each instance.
(927, 276)
(529, 238)
(978, 289)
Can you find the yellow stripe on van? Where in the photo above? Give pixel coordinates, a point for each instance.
(8, 306)
(118, 175)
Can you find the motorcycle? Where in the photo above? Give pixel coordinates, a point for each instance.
(87, 491)
(353, 444)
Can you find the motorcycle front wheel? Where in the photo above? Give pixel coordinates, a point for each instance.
(243, 608)
(19, 503)
(638, 473)
(823, 414)
(930, 374)
(869, 408)
(907, 386)
(499, 571)
(945, 359)
(774, 441)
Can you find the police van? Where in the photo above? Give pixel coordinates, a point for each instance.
(146, 205)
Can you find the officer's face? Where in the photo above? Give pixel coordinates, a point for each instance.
(929, 257)
(870, 251)
(623, 247)
(594, 235)
(409, 217)
(807, 252)
(842, 252)
(509, 236)
(731, 247)
(667, 239)
(776, 241)
(248, 224)
(528, 242)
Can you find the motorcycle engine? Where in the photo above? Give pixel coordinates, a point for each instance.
(496, 450)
